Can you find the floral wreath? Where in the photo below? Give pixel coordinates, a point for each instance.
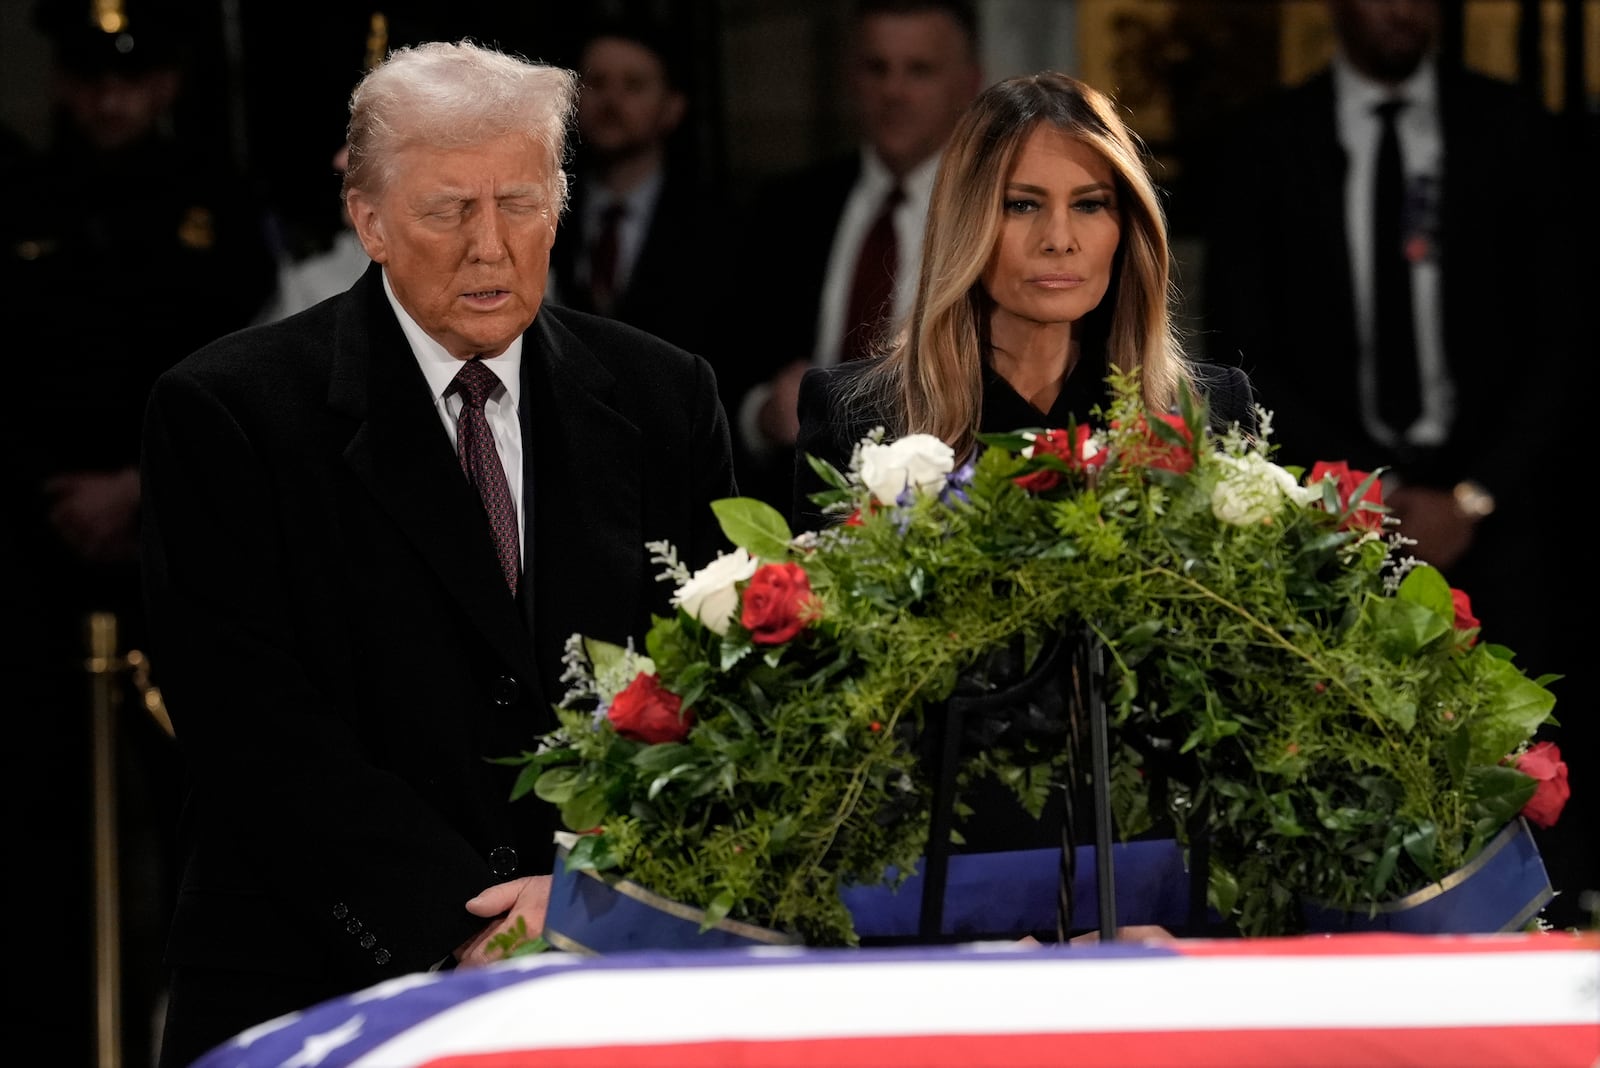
(1351, 738)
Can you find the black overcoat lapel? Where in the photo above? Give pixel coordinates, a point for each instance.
(583, 492)
(402, 454)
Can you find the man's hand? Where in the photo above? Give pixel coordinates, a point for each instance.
(1430, 517)
(503, 903)
(96, 513)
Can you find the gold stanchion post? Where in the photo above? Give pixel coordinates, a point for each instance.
(103, 666)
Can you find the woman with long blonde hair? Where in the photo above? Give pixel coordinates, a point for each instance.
(1045, 264)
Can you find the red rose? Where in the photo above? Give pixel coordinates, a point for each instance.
(1068, 450)
(1465, 620)
(648, 712)
(1543, 762)
(1156, 451)
(1046, 478)
(777, 603)
(1346, 481)
(1080, 444)
(1054, 443)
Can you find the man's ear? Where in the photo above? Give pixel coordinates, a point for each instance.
(365, 220)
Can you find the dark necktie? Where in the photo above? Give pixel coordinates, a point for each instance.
(603, 258)
(1394, 330)
(481, 463)
(872, 286)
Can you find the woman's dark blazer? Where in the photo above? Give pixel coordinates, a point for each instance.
(334, 638)
(830, 432)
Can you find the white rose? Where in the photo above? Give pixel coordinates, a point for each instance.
(1253, 489)
(919, 461)
(711, 595)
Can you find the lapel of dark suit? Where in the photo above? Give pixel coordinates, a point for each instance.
(402, 454)
(583, 492)
(662, 250)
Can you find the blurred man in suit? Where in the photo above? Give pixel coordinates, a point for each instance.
(1440, 347)
(913, 70)
(644, 232)
(370, 529)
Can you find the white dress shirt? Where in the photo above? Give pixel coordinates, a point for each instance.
(1422, 153)
(640, 205)
(439, 368)
(860, 212)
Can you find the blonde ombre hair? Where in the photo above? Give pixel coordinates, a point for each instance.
(931, 377)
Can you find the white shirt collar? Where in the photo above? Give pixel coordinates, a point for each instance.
(877, 179)
(640, 201)
(440, 367)
(1358, 94)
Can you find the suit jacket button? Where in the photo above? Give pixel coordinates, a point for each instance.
(503, 690)
(503, 861)
(381, 957)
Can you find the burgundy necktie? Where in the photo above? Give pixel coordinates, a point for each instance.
(1393, 328)
(603, 255)
(481, 463)
(872, 287)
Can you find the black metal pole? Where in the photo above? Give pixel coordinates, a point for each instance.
(1100, 775)
(946, 725)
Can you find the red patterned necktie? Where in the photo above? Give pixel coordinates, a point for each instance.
(481, 463)
(603, 255)
(872, 287)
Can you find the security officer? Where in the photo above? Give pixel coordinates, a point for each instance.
(125, 243)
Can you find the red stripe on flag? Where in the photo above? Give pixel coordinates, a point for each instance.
(1378, 944)
(1569, 1046)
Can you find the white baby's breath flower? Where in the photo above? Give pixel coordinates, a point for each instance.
(917, 461)
(711, 595)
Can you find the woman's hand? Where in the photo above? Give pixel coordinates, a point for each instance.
(525, 898)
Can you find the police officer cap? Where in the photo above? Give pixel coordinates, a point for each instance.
(95, 37)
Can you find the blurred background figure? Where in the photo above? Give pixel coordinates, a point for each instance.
(644, 228)
(830, 252)
(320, 275)
(129, 240)
(1396, 310)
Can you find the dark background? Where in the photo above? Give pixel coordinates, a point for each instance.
(270, 81)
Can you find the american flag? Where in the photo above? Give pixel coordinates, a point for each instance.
(1332, 1001)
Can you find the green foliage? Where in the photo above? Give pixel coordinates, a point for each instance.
(1349, 742)
(516, 942)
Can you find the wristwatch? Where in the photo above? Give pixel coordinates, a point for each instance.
(1473, 499)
